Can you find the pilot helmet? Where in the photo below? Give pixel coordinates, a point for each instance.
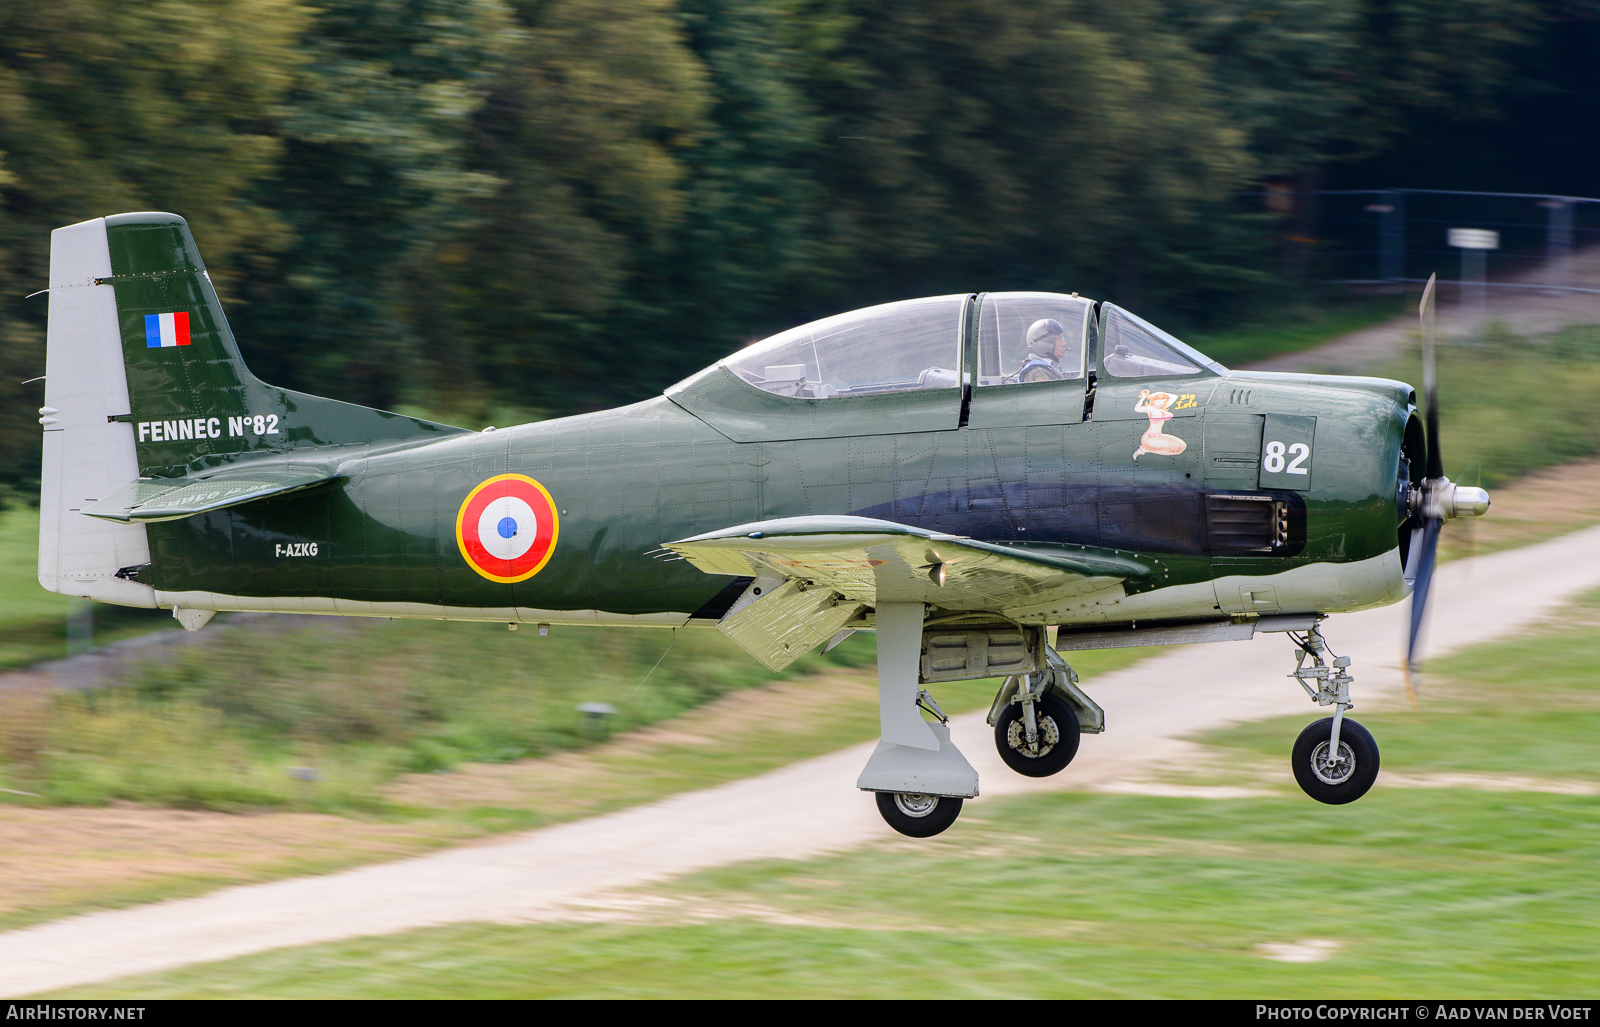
(1043, 335)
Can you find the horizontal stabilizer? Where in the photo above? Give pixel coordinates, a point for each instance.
(146, 500)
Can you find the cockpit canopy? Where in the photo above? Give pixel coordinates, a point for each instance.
(895, 347)
(916, 345)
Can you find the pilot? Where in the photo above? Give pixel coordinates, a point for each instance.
(1047, 343)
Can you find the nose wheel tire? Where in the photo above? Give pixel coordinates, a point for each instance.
(920, 816)
(1346, 775)
(1058, 737)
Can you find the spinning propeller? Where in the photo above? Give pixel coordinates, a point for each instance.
(1437, 498)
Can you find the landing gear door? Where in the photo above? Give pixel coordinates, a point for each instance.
(1031, 352)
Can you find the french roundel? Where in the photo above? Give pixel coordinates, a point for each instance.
(507, 528)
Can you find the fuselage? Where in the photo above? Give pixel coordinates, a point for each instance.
(1226, 540)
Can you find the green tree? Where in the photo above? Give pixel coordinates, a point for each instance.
(372, 184)
(750, 253)
(1319, 82)
(584, 128)
(1033, 142)
(109, 106)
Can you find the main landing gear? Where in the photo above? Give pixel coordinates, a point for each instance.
(1039, 715)
(1335, 760)
(920, 777)
(1036, 732)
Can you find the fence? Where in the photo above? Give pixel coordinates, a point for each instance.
(1545, 242)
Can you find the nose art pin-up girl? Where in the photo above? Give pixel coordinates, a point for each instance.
(1156, 405)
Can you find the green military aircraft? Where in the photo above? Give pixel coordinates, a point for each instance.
(958, 473)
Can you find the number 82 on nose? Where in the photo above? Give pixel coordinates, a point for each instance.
(1287, 445)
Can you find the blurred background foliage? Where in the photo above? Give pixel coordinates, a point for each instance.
(495, 210)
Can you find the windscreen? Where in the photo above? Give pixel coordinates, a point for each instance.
(1135, 348)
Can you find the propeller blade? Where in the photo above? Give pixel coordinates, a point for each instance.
(1419, 592)
(1430, 378)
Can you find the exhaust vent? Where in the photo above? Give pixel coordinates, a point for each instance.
(1246, 524)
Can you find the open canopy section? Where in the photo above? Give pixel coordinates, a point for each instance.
(896, 347)
(1032, 337)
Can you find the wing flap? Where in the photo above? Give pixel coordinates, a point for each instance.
(788, 622)
(148, 500)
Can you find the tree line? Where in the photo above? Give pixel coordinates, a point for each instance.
(491, 209)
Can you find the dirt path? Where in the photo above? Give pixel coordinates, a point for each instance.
(1525, 311)
(122, 855)
(799, 811)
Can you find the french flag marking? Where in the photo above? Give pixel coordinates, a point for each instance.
(166, 329)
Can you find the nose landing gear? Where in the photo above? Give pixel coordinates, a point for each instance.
(1335, 760)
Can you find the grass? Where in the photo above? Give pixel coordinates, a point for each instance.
(355, 704)
(1295, 329)
(33, 622)
(179, 755)
(223, 726)
(1413, 891)
(22, 601)
(1516, 404)
(737, 738)
(1064, 896)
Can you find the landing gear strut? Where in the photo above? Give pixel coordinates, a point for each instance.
(1335, 760)
(920, 777)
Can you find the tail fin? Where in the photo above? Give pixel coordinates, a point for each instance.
(144, 380)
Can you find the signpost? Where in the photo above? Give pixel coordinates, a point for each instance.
(1474, 244)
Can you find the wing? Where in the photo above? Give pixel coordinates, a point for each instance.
(872, 561)
(821, 572)
(146, 500)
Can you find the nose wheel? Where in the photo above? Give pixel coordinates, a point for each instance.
(1335, 773)
(1335, 760)
(919, 816)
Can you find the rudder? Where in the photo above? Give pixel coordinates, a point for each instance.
(87, 452)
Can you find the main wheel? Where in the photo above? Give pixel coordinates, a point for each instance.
(1348, 774)
(920, 816)
(1058, 737)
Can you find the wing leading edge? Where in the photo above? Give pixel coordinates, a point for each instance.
(822, 572)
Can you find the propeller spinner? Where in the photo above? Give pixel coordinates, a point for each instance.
(1437, 498)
